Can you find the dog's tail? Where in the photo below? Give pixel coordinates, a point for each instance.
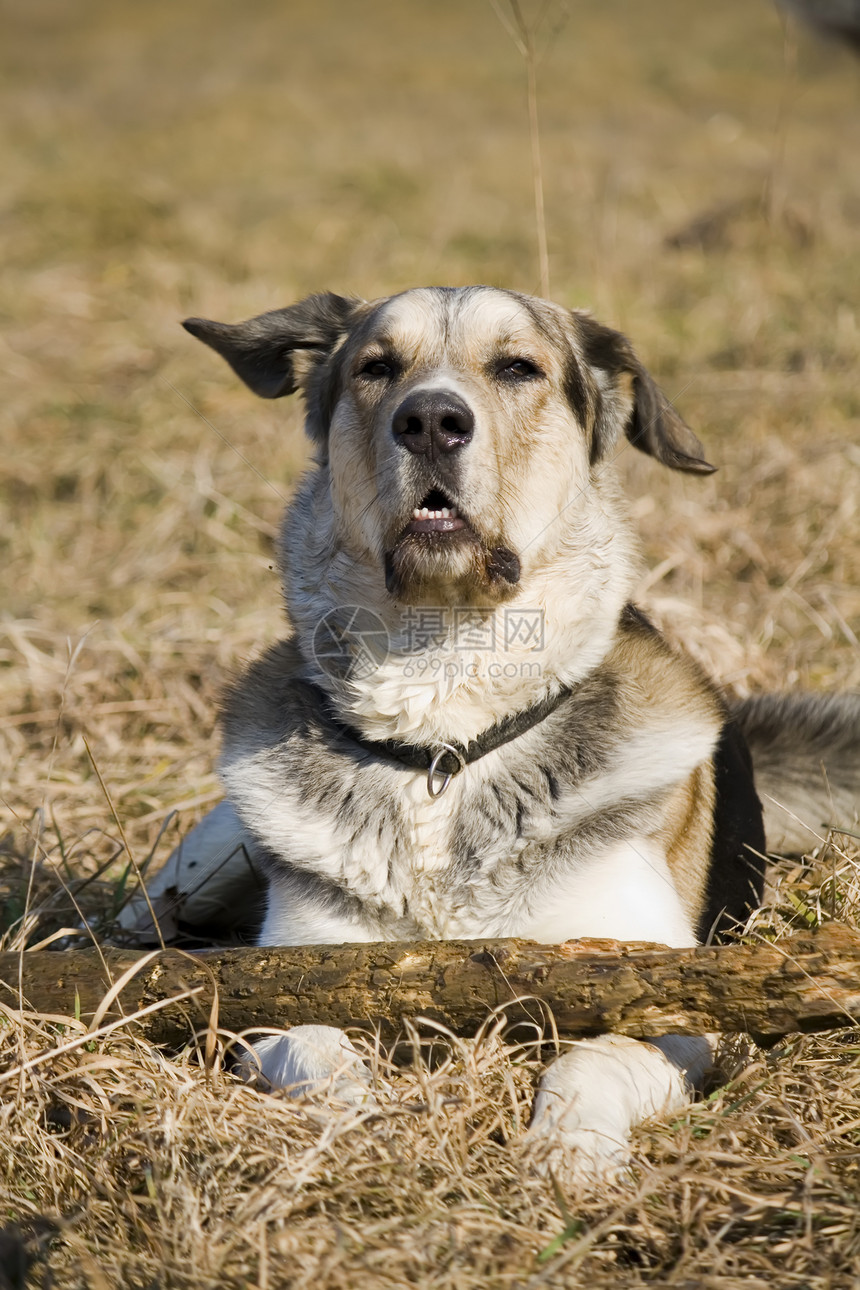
(806, 756)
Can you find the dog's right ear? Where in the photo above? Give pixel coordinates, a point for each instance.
(275, 352)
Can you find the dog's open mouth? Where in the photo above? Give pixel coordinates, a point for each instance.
(438, 553)
(436, 514)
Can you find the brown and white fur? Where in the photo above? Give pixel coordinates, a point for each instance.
(463, 464)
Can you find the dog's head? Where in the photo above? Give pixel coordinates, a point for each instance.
(459, 430)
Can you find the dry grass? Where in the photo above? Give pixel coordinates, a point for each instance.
(129, 1167)
(164, 159)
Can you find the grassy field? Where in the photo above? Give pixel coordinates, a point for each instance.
(703, 194)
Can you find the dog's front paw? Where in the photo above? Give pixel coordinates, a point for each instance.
(590, 1098)
(311, 1061)
(576, 1152)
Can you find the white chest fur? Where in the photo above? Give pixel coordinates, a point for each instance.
(626, 894)
(622, 890)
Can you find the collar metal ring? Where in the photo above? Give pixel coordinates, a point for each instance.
(433, 771)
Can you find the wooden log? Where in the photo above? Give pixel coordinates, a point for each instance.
(809, 982)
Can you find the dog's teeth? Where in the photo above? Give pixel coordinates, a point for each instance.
(443, 513)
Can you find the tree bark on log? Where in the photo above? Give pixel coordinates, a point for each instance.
(808, 982)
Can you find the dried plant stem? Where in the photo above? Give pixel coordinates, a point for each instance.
(118, 822)
(524, 37)
(774, 195)
(537, 173)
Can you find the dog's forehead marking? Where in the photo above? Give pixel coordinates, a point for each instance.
(471, 322)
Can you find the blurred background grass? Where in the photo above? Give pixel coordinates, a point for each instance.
(205, 157)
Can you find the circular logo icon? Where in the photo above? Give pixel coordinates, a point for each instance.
(350, 642)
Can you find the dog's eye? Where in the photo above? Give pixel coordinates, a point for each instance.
(518, 369)
(377, 368)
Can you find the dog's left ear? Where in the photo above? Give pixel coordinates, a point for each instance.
(274, 352)
(641, 409)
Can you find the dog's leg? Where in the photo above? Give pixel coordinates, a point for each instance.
(310, 1061)
(591, 1097)
(212, 879)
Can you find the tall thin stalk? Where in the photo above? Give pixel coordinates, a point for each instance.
(525, 37)
(775, 184)
(537, 173)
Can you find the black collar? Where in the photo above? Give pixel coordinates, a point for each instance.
(443, 758)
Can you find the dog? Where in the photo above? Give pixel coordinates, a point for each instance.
(472, 730)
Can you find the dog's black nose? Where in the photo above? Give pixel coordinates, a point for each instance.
(429, 422)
